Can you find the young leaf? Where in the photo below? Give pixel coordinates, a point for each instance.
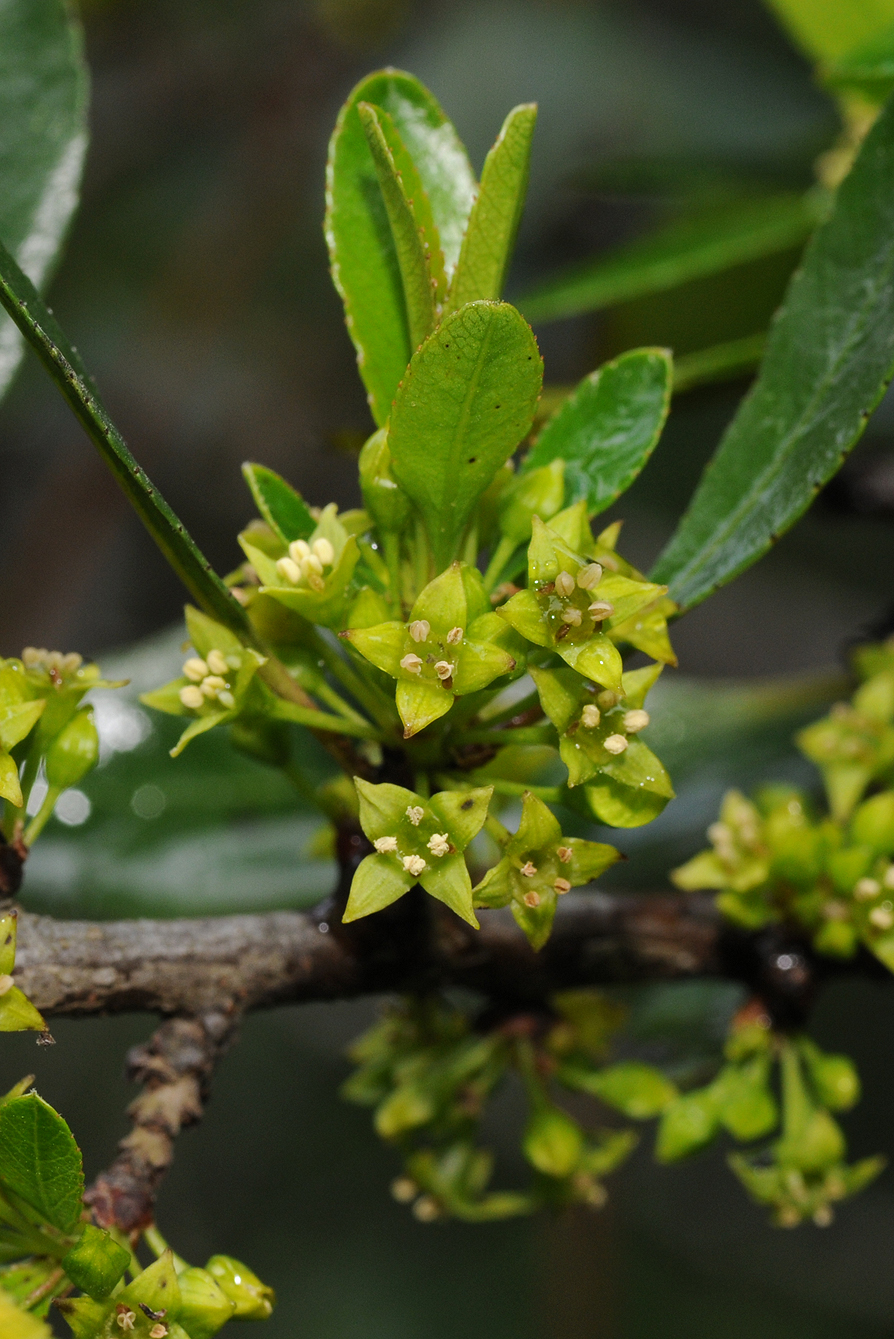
(829, 358)
(493, 223)
(405, 232)
(43, 111)
(608, 428)
(19, 297)
(686, 249)
(364, 264)
(284, 510)
(466, 402)
(40, 1161)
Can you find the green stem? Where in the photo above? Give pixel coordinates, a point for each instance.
(320, 720)
(495, 828)
(499, 558)
(517, 708)
(550, 794)
(369, 697)
(374, 558)
(421, 555)
(333, 699)
(41, 818)
(391, 545)
(527, 734)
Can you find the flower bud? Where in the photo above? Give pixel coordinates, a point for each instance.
(385, 501)
(553, 1142)
(252, 1299)
(73, 752)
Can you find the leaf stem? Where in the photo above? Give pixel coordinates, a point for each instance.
(499, 558)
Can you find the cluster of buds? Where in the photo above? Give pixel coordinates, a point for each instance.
(306, 564)
(210, 679)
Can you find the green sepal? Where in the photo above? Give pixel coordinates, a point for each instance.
(630, 790)
(17, 720)
(204, 1306)
(636, 1090)
(687, 1125)
(745, 1104)
(84, 1317)
(282, 507)
(156, 1287)
(96, 1263)
(18, 1014)
(552, 1141)
(834, 1077)
(536, 493)
(9, 781)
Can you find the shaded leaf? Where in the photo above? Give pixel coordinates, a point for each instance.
(40, 1161)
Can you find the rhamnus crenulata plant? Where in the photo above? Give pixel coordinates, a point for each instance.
(463, 633)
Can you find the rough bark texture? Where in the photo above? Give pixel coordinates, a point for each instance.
(245, 962)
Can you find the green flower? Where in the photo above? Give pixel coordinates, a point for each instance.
(625, 784)
(215, 681)
(853, 744)
(311, 576)
(451, 645)
(738, 866)
(569, 600)
(537, 867)
(417, 841)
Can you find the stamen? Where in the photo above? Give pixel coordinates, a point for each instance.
(412, 663)
(601, 609)
(322, 547)
(562, 886)
(195, 669)
(289, 570)
(213, 685)
(444, 669)
(531, 899)
(607, 699)
(564, 584)
(454, 636)
(636, 720)
(529, 869)
(298, 549)
(217, 662)
(564, 853)
(6, 984)
(226, 699)
(413, 864)
(615, 744)
(415, 813)
(572, 616)
(866, 889)
(439, 844)
(192, 697)
(311, 566)
(385, 845)
(882, 917)
(420, 629)
(590, 716)
(590, 576)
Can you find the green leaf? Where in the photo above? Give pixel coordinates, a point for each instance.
(829, 358)
(685, 249)
(43, 115)
(364, 263)
(868, 70)
(606, 431)
(96, 1262)
(18, 296)
(284, 510)
(466, 402)
(493, 223)
(827, 29)
(40, 1161)
(405, 232)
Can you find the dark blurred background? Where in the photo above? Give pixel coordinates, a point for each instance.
(195, 285)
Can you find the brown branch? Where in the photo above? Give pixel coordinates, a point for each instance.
(175, 1069)
(234, 963)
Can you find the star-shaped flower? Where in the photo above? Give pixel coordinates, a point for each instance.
(537, 867)
(625, 784)
(214, 683)
(310, 576)
(416, 840)
(568, 601)
(451, 645)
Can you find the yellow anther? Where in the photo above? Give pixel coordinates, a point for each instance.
(601, 609)
(882, 917)
(226, 699)
(454, 636)
(866, 889)
(888, 879)
(571, 616)
(615, 744)
(531, 899)
(192, 697)
(426, 1209)
(213, 685)
(439, 844)
(385, 845)
(444, 669)
(217, 662)
(636, 720)
(607, 699)
(311, 566)
(529, 869)
(562, 886)
(195, 669)
(415, 813)
(413, 864)
(564, 853)
(323, 549)
(590, 576)
(6, 984)
(289, 570)
(298, 549)
(564, 584)
(412, 663)
(590, 717)
(420, 629)
(404, 1189)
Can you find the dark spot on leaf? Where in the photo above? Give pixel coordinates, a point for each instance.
(467, 804)
(472, 459)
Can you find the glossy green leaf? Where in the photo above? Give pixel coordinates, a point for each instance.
(40, 1161)
(829, 358)
(364, 263)
(406, 236)
(466, 402)
(284, 509)
(686, 249)
(41, 330)
(43, 136)
(493, 223)
(606, 431)
(826, 29)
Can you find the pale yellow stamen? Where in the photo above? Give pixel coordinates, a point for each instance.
(415, 813)
(289, 570)
(866, 889)
(564, 853)
(562, 886)
(590, 576)
(324, 550)
(601, 609)
(195, 669)
(636, 720)
(590, 717)
(226, 699)
(571, 616)
(531, 899)
(412, 663)
(454, 636)
(564, 584)
(413, 864)
(420, 629)
(444, 669)
(439, 844)
(615, 744)
(384, 845)
(191, 697)
(298, 549)
(217, 662)
(529, 869)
